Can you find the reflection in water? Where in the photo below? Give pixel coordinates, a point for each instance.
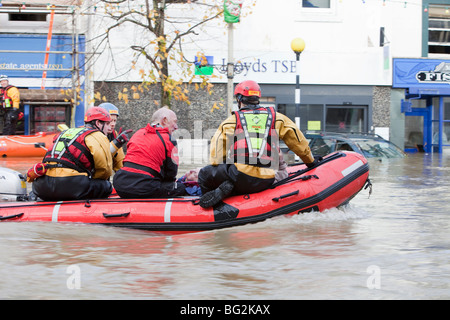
(402, 229)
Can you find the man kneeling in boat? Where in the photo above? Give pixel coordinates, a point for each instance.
(244, 153)
(151, 164)
(79, 163)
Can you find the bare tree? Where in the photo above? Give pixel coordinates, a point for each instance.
(160, 39)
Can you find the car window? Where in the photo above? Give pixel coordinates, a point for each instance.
(320, 146)
(377, 148)
(343, 145)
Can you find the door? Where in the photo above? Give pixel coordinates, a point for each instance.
(417, 136)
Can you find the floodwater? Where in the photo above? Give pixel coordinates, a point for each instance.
(393, 244)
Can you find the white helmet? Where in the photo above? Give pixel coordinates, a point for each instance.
(112, 109)
(3, 77)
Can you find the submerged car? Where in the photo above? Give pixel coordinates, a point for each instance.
(369, 145)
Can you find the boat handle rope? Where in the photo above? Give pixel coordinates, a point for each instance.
(295, 174)
(36, 144)
(294, 193)
(11, 216)
(89, 202)
(308, 177)
(116, 215)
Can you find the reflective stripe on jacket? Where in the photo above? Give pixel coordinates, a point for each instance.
(255, 137)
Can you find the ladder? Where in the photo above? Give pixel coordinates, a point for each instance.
(47, 49)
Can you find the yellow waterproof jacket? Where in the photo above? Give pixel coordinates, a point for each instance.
(98, 144)
(118, 159)
(14, 94)
(287, 131)
(117, 156)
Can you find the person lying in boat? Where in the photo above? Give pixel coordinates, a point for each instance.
(117, 139)
(282, 172)
(244, 150)
(79, 163)
(190, 181)
(151, 164)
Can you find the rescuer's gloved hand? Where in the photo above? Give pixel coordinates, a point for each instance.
(317, 159)
(36, 171)
(122, 138)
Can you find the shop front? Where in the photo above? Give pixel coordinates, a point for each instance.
(426, 103)
(337, 108)
(23, 59)
(329, 101)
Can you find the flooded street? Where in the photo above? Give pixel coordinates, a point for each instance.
(394, 244)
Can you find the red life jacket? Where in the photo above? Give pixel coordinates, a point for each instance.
(151, 151)
(255, 137)
(6, 100)
(69, 150)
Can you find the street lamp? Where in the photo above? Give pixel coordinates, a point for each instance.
(297, 45)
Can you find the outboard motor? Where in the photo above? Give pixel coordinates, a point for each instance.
(13, 186)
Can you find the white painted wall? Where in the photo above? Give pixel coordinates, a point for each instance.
(342, 43)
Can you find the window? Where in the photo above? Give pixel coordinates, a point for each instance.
(311, 115)
(320, 146)
(319, 10)
(346, 119)
(27, 17)
(316, 4)
(439, 30)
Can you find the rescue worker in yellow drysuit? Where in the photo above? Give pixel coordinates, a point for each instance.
(244, 153)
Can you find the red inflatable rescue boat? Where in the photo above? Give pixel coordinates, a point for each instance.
(332, 183)
(35, 145)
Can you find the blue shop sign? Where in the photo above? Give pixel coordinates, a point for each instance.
(28, 64)
(422, 76)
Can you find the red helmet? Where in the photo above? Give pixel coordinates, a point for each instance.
(97, 113)
(248, 88)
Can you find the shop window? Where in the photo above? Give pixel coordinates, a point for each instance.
(46, 118)
(311, 115)
(445, 118)
(439, 29)
(346, 119)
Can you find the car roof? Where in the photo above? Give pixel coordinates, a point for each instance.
(344, 135)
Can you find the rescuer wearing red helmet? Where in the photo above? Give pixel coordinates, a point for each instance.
(79, 163)
(244, 152)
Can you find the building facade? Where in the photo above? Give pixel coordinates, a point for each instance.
(349, 69)
(41, 50)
